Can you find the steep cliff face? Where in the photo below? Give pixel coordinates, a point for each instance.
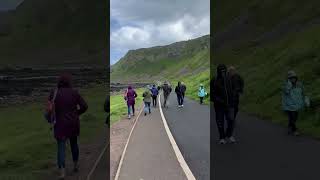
(177, 59)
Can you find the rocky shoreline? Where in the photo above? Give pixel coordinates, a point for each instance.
(18, 86)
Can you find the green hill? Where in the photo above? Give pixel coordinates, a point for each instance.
(54, 32)
(187, 61)
(179, 59)
(264, 39)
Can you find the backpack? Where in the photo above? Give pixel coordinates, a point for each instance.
(50, 113)
(154, 91)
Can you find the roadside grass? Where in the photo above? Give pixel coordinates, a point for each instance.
(193, 83)
(118, 107)
(27, 144)
(265, 66)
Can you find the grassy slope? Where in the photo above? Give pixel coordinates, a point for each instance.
(192, 67)
(264, 66)
(154, 64)
(54, 32)
(27, 145)
(118, 106)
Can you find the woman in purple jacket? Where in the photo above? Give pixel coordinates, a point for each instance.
(130, 97)
(69, 105)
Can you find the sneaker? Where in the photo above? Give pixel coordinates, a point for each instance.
(232, 139)
(296, 133)
(62, 173)
(222, 141)
(145, 114)
(129, 116)
(182, 105)
(75, 167)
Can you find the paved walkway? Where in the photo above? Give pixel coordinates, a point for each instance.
(264, 152)
(190, 127)
(149, 155)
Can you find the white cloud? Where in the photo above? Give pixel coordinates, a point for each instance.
(151, 23)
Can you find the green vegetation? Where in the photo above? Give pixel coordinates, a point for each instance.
(279, 36)
(27, 144)
(118, 106)
(186, 61)
(181, 59)
(54, 32)
(193, 83)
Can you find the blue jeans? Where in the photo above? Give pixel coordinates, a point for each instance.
(61, 156)
(129, 109)
(147, 106)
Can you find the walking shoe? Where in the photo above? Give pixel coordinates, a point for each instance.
(145, 114)
(182, 105)
(75, 167)
(222, 141)
(232, 139)
(129, 117)
(62, 173)
(296, 133)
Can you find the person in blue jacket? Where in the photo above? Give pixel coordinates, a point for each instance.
(201, 93)
(292, 100)
(154, 93)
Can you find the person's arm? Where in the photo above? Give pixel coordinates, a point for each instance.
(83, 106)
(135, 94)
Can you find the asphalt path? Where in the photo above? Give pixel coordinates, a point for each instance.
(190, 127)
(264, 151)
(149, 155)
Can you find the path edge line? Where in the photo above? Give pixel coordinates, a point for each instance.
(175, 147)
(125, 147)
(97, 161)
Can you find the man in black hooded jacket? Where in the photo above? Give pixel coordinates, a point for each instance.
(224, 98)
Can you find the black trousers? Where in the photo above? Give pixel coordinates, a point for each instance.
(292, 119)
(154, 101)
(201, 100)
(180, 99)
(225, 114)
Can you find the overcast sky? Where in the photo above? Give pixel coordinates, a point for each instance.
(145, 23)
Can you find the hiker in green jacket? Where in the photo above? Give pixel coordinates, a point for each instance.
(293, 100)
(147, 98)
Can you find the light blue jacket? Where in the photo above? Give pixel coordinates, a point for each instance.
(292, 97)
(202, 92)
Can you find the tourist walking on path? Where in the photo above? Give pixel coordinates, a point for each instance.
(238, 85)
(224, 104)
(68, 106)
(178, 91)
(155, 92)
(166, 88)
(183, 89)
(293, 100)
(202, 93)
(130, 97)
(147, 101)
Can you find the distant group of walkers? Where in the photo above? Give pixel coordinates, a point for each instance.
(150, 94)
(227, 87)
